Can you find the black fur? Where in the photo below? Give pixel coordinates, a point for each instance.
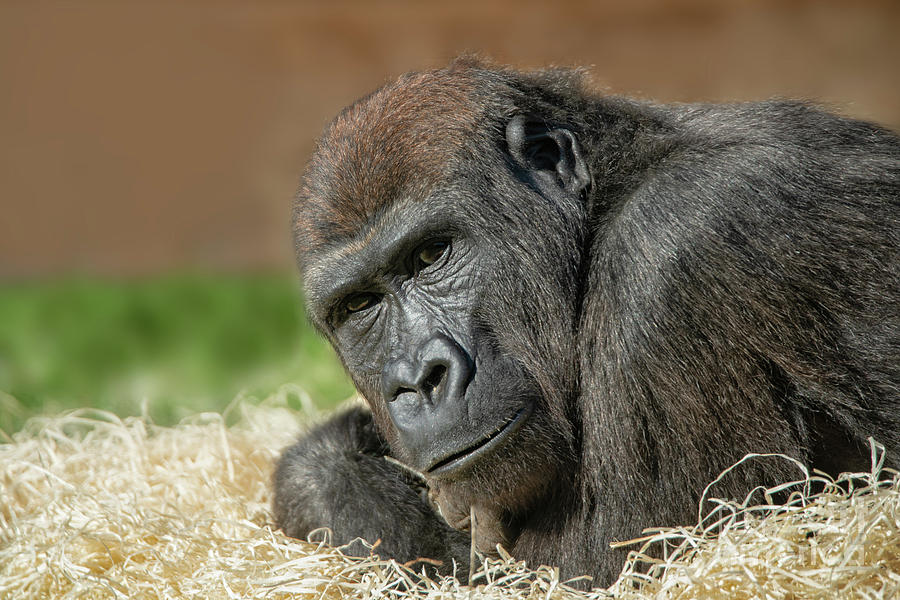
(660, 289)
(337, 476)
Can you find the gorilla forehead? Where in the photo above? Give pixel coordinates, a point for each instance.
(399, 142)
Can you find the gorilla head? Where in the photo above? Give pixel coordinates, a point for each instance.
(570, 312)
(441, 255)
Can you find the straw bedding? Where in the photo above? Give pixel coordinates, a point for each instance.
(92, 506)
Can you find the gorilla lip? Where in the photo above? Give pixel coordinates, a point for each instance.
(459, 459)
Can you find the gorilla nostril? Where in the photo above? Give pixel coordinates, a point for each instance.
(400, 391)
(434, 378)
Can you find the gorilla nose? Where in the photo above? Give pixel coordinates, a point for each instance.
(434, 373)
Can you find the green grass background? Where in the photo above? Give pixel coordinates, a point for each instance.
(175, 344)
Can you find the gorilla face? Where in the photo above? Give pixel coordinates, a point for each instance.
(404, 303)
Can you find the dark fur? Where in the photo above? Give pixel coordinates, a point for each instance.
(728, 283)
(328, 478)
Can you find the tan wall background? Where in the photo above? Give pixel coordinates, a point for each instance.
(137, 137)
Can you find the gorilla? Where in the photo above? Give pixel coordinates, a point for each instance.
(569, 312)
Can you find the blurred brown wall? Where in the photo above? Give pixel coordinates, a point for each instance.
(139, 137)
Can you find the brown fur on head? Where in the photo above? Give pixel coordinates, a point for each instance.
(394, 144)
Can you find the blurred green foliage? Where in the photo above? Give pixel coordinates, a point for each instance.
(177, 344)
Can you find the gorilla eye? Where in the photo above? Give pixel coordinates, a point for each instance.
(359, 302)
(431, 253)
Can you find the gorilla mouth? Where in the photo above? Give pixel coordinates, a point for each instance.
(470, 453)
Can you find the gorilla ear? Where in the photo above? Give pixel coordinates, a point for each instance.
(544, 149)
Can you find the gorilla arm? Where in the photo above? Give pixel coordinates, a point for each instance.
(338, 476)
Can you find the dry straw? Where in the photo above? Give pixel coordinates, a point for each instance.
(92, 506)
